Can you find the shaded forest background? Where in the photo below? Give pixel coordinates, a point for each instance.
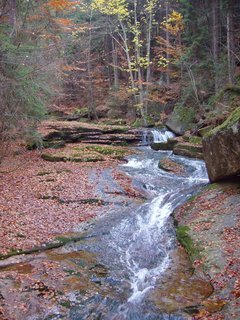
(122, 61)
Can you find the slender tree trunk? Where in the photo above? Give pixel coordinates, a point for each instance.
(115, 64)
(148, 74)
(215, 39)
(167, 49)
(194, 85)
(92, 115)
(230, 41)
(126, 48)
(139, 71)
(12, 15)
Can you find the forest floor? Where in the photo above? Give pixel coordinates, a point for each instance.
(212, 222)
(41, 200)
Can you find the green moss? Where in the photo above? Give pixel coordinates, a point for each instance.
(186, 241)
(59, 242)
(62, 240)
(205, 130)
(81, 111)
(234, 89)
(188, 150)
(54, 144)
(106, 150)
(114, 129)
(184, 114)
(192, 198)
(138, 123)
(77, 157)
(169, 145)
(53, 158)
(195, 140)
(212, 186)
(43, 173)
(66, 304)
(103, 150)
(229, 122)
(115, 122)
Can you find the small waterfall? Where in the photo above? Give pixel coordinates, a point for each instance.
(156, 135)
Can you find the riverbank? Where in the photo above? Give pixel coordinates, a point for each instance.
(208, 227)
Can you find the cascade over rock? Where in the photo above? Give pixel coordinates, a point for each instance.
(221, 149)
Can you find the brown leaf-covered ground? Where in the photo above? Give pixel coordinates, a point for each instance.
(40, 200)
(213, 218)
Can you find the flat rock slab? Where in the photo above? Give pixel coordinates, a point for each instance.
(188, 150)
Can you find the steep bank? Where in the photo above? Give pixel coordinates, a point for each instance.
(208, 227)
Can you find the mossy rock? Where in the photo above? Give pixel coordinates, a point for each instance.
(114, 152)
(195, 140)
(34, 143)
(188, 150)
(72, 158)
(115, 122)
(233, 119)
(172, 166)
(222, 148)
(204, 131)
(169, 145)
(181, 120)
(140, 123)
(183, 236)
(87, 153)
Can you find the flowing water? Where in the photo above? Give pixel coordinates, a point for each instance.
(115, 270)
(135, 243)
(155, 135)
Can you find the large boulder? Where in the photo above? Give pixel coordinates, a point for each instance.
(221, 148)
(181, 119)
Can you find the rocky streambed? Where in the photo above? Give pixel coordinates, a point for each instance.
(120, 266)
(127, 263)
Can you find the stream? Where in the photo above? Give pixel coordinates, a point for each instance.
(124, 256)
(134, 242)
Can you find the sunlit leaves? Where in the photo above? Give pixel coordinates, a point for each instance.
(112, 7)
(174, 23)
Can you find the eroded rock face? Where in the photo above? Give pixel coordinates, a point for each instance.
(222, 149)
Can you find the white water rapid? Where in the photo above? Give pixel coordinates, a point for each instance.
(155, 135)
(136, 239)
(149, 229)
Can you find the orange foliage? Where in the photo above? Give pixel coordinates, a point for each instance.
(61, 4)
(64, 22)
